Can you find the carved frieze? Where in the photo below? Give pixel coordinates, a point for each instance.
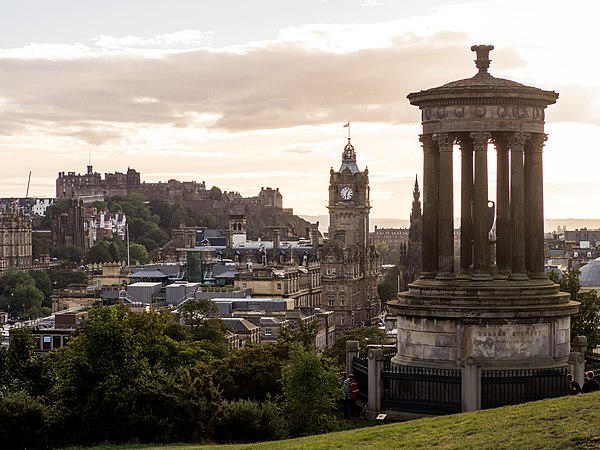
(438, 113)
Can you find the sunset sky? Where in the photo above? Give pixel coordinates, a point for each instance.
(246, 94)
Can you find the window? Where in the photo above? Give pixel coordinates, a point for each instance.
(278, 286)
(268, 332)
(56, 342)
(330, 302)
(331, 271)
(244, 285)
(575, 255)
(46, 342)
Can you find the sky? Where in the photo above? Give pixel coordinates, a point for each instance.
(250, 94)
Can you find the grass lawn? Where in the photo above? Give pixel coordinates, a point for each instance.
(571, 422)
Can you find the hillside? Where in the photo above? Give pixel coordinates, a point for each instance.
(560, 423)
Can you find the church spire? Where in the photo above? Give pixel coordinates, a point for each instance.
(415, 213)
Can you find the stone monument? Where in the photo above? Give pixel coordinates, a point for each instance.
(490, 308)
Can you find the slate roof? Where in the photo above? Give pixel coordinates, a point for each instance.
(590, 274)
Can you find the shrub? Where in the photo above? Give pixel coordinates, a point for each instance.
(249, 421)
(23, 422)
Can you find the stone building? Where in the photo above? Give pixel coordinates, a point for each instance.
(350, 266)
(15, 239)
(68, 229)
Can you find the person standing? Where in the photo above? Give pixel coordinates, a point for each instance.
(590, 384)
(347, 390)
(575, 387)
(353, 396)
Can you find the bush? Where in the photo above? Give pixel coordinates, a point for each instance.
(23, 422)
(245, 421)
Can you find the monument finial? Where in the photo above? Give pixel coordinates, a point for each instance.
(483, 56)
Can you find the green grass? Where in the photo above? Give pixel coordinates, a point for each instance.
(571, 422)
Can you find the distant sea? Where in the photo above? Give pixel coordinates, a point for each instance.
(549, 225)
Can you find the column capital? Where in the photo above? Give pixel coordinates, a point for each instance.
(445, 141)
(427, 143)
(537, 142)
(517, 138)
(480, 139)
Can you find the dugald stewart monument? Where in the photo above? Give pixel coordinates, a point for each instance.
(490, 309)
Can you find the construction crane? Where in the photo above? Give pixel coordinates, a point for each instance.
(28, 181)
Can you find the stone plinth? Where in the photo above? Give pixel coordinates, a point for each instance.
(502, 323)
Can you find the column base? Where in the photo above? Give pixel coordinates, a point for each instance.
(538, 275)
(518, 277)
(481, 277)
(428, 275)
(445, 276)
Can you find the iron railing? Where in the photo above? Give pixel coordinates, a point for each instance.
(360, 370)
(511, 387)
(422, 390)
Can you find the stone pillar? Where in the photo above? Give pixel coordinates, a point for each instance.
(466, 199)
(481, 248)
(430, 207)
(470, 385)
(579, 346)
(351, 352)
(577, 364)
(445, 208)
(502, 207)
(534, 205)
(376, 363)
(516, 144)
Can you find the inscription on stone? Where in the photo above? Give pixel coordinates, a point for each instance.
(507, 341)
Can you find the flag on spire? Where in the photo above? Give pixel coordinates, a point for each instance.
(347, 124)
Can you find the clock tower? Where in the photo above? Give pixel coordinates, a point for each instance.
(350, 266)
(349, 203)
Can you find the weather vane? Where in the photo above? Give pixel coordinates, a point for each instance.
(347, 125)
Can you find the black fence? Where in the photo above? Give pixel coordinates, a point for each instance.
(592, 362)
(360, 370)
(510, 387)
(422, 390)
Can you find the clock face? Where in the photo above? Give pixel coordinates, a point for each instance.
(346, 193)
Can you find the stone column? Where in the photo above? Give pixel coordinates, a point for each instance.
(480, 208)
(445, 208)
(516, 143)
(351, 352)
(376, 363)
(502, 207)
(466, 198)
(470, 393)
(534, 205)
(430, 207)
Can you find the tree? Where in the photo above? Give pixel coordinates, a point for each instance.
(364, 335)
(215, 194)
(44, 284)
(20, 296)
(587, 321)
(205, 326)
(63, 278)
(138, 253)
(69, 253)
(310, 392)
(123, 378)
(99, 254)
(253, 371)
(22, 370)
(305, 334)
